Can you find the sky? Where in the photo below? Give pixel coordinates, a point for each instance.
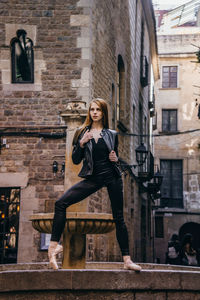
(168, 4)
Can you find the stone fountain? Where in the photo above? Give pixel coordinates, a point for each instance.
(79, 221)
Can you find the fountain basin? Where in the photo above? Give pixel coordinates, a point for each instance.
(78, 224)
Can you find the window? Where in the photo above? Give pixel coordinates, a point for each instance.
(172, 185)
(136, 27)
(140, 124)
(143, 229)
(120, 99)
(144, 71)
(169, 77)
(113, 107)
(44, 241)
(169, 120)
(142, 50)
(159, 227)
(121, 89)
(145, 130)
(9, 224)
(22, 58)
(133, 118)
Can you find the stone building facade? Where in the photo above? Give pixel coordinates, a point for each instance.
(82, 49)
(177, 143)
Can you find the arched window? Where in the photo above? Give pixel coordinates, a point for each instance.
(22, 60)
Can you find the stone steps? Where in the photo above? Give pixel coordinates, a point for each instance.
(100, 281)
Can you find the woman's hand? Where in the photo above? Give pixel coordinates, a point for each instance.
(113, 157)
(86, 137)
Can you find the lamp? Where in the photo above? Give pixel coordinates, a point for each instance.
(141, 154)
(154, 187)
(63, 168)
(55, 167)
(158, 178)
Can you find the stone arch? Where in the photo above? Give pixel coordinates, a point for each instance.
(192, 228)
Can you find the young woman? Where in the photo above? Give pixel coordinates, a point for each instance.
(97, 146)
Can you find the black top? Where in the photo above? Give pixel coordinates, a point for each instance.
(102, 166)
(100, 150)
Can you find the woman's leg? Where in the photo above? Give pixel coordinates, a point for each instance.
(115, 191)
(75, 194)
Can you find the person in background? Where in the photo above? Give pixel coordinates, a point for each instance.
(173, 251)
(188, 255)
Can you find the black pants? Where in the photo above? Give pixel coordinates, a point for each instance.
(83, 189)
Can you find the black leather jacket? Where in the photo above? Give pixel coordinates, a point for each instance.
(78, 154)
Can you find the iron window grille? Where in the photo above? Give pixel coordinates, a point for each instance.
(22, 58)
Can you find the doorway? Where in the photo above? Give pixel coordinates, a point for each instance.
(192, 228)
(9, 224)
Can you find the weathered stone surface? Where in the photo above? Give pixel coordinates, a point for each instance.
(101, 282)
(183, 295)
(150, 296)
(66, 295)
(14, 179)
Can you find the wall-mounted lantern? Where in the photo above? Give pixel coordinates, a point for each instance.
(153, 188)
(158, 178)
(63, 169)
(141, 154)
(55, 167)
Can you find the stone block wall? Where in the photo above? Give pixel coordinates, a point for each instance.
(35, 108)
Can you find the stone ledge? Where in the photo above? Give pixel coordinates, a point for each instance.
(97, 265)
(73, 215)
(99, 280)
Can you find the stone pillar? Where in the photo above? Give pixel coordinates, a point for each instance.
(74, 116)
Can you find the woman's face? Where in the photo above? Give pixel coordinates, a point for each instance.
(95, 112)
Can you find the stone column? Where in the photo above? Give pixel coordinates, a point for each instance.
(74, 244)
(74, 116)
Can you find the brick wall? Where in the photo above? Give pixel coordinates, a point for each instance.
(36, 107)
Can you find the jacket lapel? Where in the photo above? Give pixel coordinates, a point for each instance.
(107, 139)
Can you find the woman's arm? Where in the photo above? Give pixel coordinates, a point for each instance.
(113, 155)
(77, 152)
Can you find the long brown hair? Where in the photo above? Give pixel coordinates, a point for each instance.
(88, 121)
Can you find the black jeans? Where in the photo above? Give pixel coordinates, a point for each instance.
(83, 189)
